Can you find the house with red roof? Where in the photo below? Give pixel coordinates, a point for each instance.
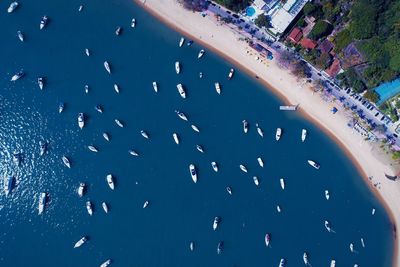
(334, 69)
(308, 43)
(295, 35)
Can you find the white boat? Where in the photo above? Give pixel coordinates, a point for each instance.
(89, 208)
(81, 120)
(20, 36)
(86, 89)
(282, 183)
(43, 147)
(118, 31)
(267, 239)
(373, 212)
(282, 263)
(87, 52)
(181, 42)
(278, 208)
(351, 247)
(256, 181)
(146, 203)
(110, 181)
(133, 153)
(105, 207)
(119, 123)
(106, 263)
(12, 7)
(314, 164)
(245, 126)
(303, 135)
(81, 189)
(93, 148)
(133, 23)
(106, 136)
(193, 172)
(230, 75)
(214, 166)
(42, 202)
(40, 82)
(200, 75)
(201, 53)
(259, 130)
(229, 190)
(195, 128)
(243, 168)
(17, 158)
(327, 194)
(61, 107)
(333, 263)
(328, 226)
(217, 88)
(362, 242)
(98, 108)
(181, 90)
(17, 76)
(200, 148)
(80, 8)
(176, 138)
(260, 162)
(155, 87)
(144, 134)
(305, 259)
(43, 22)
(191, 246)
(177, 67)
(66, 161)
(181, 115)
(278, 134)
(116, 88)
(80, 242)
(216, 222)
(220, 247)
(107, 67)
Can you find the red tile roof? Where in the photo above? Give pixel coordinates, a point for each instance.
(334, 69)
(295, 35)
(308, 43)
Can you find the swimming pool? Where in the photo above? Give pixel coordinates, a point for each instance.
(387, 90)
(250, 11)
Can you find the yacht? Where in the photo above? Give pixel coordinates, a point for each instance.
(133, 23)
(200, 75)
(333, 263)
(230, 75)
(81, 120)
(43, 147)
(256, 182)
(373, 212)
(259, 130)
(362, 242)
(217, 88)
(17, 158)
(66, 161)
(260, 162)
(86, 89)
(42, 202)
(106, 136)
(110, 181)
(106, 263)
(61, 106)
(305, 259)
(89, 208)
(133, 153)
(93, 148)
(216, 222)
(177, 67)
(229, 190)
(146, 203)
(43, 22)
(116, 88)
(267, 239)
(220, 247)
(189, 43)
(181, 41)
(40, 82)
(245, 126)
(80, 8)
(191, 246)
(12, 7)
(243, 168)
(278, 134)
(80, 242)
(176, 138)
(144, 134)
(201, 53)
(20, 36)
(282, 263)
(327, 194)
(119, 123)
(17, 76)
(303, 135)
(181, 90)
(87, 52)
(214, 166)
(81, 189)
(98, 108)
(155, 87)
(328, 226)
(351, 247)
(107, 67)
(200, 148)
(195, 128)
(9, 184)
(193, 172)
(181, 115)
(314, 164)
(282, 183)
(118, 31)
(105, 207)
(278, 208)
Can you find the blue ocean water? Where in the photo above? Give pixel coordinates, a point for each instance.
(179, 211)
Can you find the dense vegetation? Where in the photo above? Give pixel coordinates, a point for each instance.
(321, 29)
(235, 5)
(194, 5)
(263, 21)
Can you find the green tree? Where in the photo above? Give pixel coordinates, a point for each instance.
(392, 46)
(372, 96)
(320, 29)
(323, 61)
(342, 39)
(234, 5)
(309, 8)
(363, 20)
(263, 21)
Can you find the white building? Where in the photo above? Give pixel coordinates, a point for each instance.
(283, 15)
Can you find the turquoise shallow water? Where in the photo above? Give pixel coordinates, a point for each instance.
(179, 211)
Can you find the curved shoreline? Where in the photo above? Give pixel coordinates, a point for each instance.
(344, 146)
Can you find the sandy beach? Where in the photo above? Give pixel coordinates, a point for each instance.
(368, 158)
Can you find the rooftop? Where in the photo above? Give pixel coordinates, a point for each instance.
(282, 16)
(308, 43)
(325, 46)
(295, 35)
(334, 69)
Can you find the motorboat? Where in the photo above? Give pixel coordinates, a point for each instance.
(243, 168)
(118, 31)
(333, 263)
(66, 161)
(87, 51)
(12, 7)
(191, 246)
(278, 134)
(282, 183)
(214, 166)
(61, 106)
(43, 22)
(260, 162)
(17, 76)
(176, 138)
(81, 120)
(155, 87)
(86, 89)
(193, 172)
(229, 190)
(373, 212)
(201, 53)
(267, 239)
(220, 247)
(80, 242)
(105, 207)
(200, 75)
(255, 180)
(200, 148)
(80, 8)
(106, 263)
(81, 189)
(16, 157)
(181, 90)
(144, 134)
(110, 181)
(42, 202)
(20, 36)
(195, 128)
(314, 164)
(362, 242)
(43, 147)
(217, 88)
(351, 247)
(116, 88)
(305, 259)
(259, 130)
(177, 67)
(327, 194)
(181, 42)
(216, 222)
(133, 23)
(40, 82)
(133, 153)
(303, 135)
(107, 66)
(181, 115)
(9, 184)
(282, 263)
(278, 208)
(106, 136)
(328, 226)
(245, 126)
(119, 123)
(98, 108)
(230, 75)
(145, 204)
(93, 148)
(189, 43)
(89, 208)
